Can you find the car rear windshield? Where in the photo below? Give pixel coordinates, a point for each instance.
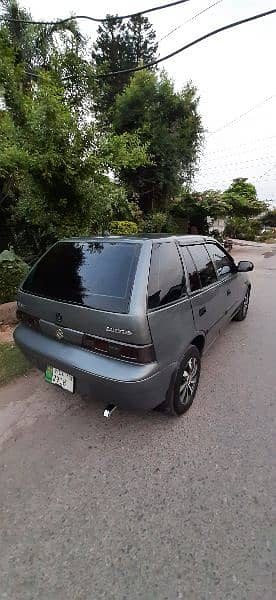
(93, 274)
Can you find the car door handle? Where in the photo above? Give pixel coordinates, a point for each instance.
(202, 311)
(228, 292)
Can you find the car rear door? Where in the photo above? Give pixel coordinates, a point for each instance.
(231, 285)
(169, 306)
(208, 300)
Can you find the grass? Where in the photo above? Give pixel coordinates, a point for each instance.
(12, 363)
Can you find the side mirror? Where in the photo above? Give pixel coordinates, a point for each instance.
(244, 266)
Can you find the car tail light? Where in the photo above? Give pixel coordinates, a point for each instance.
(137, 354)
(27, 319)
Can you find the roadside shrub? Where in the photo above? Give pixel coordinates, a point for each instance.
(155, 223)
(267, 236)
(242, 228)
(12, 270)
(123, 228)
(163, 222)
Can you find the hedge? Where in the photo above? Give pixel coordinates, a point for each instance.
(12, 271)
(123, 228)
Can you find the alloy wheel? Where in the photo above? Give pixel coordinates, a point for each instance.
(245, 304)
(188, 381)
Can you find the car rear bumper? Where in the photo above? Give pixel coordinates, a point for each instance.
(128, 386)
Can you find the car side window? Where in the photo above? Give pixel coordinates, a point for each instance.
(203, 264)
(223, 264)
(166, 280)
(193, 275)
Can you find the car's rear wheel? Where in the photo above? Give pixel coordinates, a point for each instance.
(186, 382)
(243, 310)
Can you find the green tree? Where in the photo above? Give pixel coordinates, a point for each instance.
(269, 218)
(121, 45)
(33, 45)
(55, 161)
(242, 199)
(195, 208)
(169, 123)
(242, 228)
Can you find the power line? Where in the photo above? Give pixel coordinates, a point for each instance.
(94, 19)
(266, 172)
(249, 143)
(243, 115)
(189, 20)
(190, 44)
(248, 168)
(225, 164)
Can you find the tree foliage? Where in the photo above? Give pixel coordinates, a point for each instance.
(12, 271)
(54, 160)
(241, 197)
(243, 228)
(120, 45)
(169, 123)
(269, 218)
(197, 207)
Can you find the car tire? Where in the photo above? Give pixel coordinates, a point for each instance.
(186, 382)
(243, 310)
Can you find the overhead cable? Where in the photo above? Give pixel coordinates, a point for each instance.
(242, 115)
(189, 20)
(94, 19)
(190, 44)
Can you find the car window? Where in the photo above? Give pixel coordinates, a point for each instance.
(193, 275)
(203, 264)
(93, 274)
(223, 264)
(166, 280)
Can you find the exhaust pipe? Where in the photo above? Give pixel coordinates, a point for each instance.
(110, 408)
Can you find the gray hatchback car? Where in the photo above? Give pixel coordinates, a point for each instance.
(127, 319)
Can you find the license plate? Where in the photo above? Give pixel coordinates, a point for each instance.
(58, 377)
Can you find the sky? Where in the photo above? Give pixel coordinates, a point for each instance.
(233, 73)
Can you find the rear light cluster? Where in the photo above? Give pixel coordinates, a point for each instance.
(136, 354)
(27, 319)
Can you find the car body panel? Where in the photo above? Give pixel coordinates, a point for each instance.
(171, 326)
(136, 387)
(209, 307)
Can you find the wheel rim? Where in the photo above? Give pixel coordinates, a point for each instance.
(245, 304)
(188, 381)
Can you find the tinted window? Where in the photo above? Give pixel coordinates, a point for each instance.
(191, 269)
(166, 282)
(203, 264)
(222, 262)
(94, 274)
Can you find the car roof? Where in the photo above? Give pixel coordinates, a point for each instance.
(161, 237)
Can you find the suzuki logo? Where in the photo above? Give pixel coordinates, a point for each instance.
(58, 318)
(59, 334)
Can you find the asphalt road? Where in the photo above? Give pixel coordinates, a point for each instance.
(144, 506)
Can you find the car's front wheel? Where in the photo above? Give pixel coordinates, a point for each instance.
(243, 310)
(186, 382)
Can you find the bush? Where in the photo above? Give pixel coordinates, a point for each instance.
(242, 228)
(123, 228)
(12, 271)
(267, 236)
(159, 222)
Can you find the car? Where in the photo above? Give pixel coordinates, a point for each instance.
(127, 319)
